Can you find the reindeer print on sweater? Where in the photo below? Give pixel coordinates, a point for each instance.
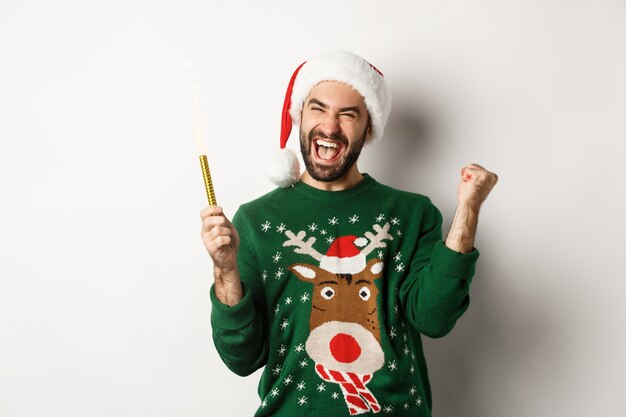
(343, 342)
(345, 331)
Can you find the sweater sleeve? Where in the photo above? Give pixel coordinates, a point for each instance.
(435, 294)
(240, 332)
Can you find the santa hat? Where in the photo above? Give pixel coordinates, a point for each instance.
(342, 66)
(344, 257)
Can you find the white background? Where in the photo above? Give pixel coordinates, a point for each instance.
(104, 279)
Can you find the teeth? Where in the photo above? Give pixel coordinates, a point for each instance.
(322, 142)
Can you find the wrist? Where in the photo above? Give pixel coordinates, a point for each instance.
(463, 229)
(468, 206)
(460, 244)
(228, 285)
(224, 270)
(226, 277)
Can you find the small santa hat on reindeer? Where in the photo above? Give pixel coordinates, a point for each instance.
(344, 256)
(343, 66)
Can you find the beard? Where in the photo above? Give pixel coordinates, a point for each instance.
(330, 173)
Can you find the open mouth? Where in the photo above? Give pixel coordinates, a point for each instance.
(327, 151)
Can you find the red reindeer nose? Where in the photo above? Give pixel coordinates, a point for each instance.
(345, 348)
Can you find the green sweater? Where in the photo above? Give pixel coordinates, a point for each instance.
(338, 289)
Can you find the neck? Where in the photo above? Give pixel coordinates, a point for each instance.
(349, 180)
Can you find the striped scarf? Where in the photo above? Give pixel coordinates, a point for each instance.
(358, 398)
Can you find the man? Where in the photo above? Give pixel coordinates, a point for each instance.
(330, 280)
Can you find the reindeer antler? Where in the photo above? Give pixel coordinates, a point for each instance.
(376, 241)
(305, 248)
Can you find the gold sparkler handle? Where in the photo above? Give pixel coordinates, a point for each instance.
(208, 184)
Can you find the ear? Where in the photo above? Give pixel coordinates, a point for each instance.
(307, 272)
(374, 268)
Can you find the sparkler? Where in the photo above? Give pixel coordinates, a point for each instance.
(201, 147)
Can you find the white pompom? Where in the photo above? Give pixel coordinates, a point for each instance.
(284, 168)
(360, 242)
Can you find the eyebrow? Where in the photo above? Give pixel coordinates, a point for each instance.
(341, 110)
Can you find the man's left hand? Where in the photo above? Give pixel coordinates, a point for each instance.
(476, 184)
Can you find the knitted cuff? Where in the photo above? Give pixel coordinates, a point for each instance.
(232, 318)
(454, 264)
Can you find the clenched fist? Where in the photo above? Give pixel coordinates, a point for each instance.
(476, 184)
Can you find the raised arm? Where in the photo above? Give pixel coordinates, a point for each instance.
(435, 294)
(239, 313)
(476, 183)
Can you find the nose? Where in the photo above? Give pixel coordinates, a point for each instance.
(345, 348)
(330, 124)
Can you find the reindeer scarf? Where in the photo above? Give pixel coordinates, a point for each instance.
(358, 397)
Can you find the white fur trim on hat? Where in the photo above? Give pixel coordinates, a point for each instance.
(337, 265)
(351, 69)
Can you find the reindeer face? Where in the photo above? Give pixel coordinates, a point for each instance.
(345, 333)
